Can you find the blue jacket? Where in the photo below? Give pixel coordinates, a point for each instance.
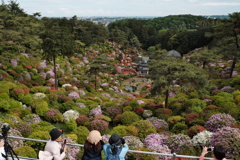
(121, 155)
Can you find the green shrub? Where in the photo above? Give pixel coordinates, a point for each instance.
(134, 104)
(174, 120)
(83, 111)
(27, 99)
(132, 130)
(40, 107)
(40, 134)
(37, 89)
(82, 133)
(42, 126)
(71, 124)
(5, 105)
(144, 128)
(120, 130)
(127, 108)
(195, 105)
(4, 96)
(26, 151)
(180, 128)
(129, 117)
(67, 106)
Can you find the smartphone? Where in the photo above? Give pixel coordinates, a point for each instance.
(209, 149)
(64, 143)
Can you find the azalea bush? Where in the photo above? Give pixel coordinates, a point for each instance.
(133, 142)
(70, 114)
(26, 151)
(54, 115)
(193, 130)
(99, 125)
(218, 121)
(158, 123)
(179, 142)
(82, 119)
(202, 138)
(113, 111)
(229, 139)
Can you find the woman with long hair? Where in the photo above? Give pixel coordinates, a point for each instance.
(93, 146)
(116, 149)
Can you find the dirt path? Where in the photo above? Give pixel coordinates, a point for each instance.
(135, 81)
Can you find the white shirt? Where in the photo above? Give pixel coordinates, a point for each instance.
(2, 151)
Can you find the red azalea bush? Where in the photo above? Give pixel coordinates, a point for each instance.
(139, 110)
(194, 130)
(191, 116)
(99, 125)
(81, 120)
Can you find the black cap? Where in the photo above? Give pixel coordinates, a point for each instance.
(115, 140)
(55, 133)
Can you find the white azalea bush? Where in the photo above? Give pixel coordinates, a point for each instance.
(203, 138)
(70, 114)
(39, 96)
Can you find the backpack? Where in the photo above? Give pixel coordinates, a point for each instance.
(110, 156)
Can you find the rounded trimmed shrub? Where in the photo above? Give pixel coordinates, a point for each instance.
(144, 128)
(120, 130)
(26, 151)
(129, 117)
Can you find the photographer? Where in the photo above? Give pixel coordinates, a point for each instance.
(53, 149)
(218, 152)
(116, 149)
(2, 150)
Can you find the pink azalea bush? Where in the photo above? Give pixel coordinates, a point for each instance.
(133, 142)
(72, 151)
(158, 123)
(218, 121)
(229, 138)
(95, 111)
(179, 142)
(32, 118)
(73, 95)
(99, 125)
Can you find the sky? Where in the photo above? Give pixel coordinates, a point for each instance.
(136, 8)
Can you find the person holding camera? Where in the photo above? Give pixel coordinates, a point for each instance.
(116, 149)
(2, 150)
(93, 146)
(218, 152)
(54, 149)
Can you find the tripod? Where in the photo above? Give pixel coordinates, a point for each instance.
(8, 149)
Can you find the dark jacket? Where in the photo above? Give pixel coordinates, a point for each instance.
(90, 154)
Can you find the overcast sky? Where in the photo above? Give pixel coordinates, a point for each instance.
(156, 8)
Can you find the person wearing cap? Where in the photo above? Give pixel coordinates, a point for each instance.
(93, 146)
(2, 150)
(116, 148)
(53, 148)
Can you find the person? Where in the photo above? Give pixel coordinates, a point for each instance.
(2, 150)
(116, 149)
(218, 153)
(93, 146)
(53, 149)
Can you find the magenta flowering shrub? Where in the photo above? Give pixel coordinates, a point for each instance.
(229, 138)
(54, 115)
(104, 84)
(106, 95)
(14, 62)
(73, 95)
(99, 125)
(95, 111)
(158, 123)
(179, 142)
(113, 111)
(227, 89)
(50, 73)
(81, 92)
(133, 142)
(32, 118)
(24, 128)
(157, 142)
(80, 105)
(42, 65)
(82, 119)
(218, 121)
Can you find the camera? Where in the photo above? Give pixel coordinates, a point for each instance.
(5, 129)
(209, 149)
